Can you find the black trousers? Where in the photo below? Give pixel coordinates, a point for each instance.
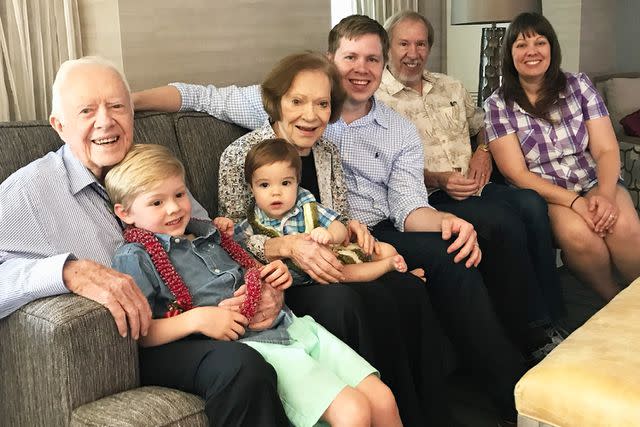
(515, 235)
(238, 386)
(391, 323)
(465, 310)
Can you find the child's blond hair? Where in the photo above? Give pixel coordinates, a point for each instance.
(142, 168)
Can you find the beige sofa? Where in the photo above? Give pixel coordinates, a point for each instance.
(621, 93)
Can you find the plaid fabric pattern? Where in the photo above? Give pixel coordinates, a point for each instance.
(382, 154)
(557, 150)
(292, 222)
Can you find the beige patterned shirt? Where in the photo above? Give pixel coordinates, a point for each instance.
(444, 114)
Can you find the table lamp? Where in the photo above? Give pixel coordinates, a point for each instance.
(466, 12)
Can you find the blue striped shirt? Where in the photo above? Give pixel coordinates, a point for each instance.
(381, 152)
(50, 212)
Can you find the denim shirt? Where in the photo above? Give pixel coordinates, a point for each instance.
(205, 267)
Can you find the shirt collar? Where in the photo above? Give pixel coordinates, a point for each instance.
(202, 229)
(266, 130)
(392, 86)
(79, 176)
(562, 95)
(377, 114)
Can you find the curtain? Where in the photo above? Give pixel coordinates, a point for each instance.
(36, 36)
(381, 10)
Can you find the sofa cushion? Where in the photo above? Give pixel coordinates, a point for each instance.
(202, 139)
(623, 98)
(145, 406)
(22, 142)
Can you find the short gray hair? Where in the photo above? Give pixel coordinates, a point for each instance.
(67, 66)
(390, 23)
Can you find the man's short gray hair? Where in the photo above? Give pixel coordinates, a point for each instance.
(390, 23)
(66, 67)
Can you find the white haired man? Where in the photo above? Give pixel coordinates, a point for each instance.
(46, 203)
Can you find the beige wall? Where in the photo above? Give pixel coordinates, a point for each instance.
(588, 31)
(100, 29)
(200, 41)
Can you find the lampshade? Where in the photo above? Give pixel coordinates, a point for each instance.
(490, 11)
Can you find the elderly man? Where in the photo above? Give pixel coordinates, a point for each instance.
(46, 203)
(458, 179)
(382, 159)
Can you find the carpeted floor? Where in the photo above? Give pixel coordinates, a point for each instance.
(470, 405)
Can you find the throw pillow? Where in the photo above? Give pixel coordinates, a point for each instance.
(631, 124)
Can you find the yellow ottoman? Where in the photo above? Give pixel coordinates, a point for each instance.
(593, 377)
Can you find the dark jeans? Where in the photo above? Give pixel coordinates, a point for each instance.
(391, 323)
(465, 310)
(515, 236)
(237, 385)
(532, 210)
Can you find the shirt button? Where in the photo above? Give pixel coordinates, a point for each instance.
(177, 240)
(216, 271)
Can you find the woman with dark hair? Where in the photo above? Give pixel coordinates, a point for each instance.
(550, 131)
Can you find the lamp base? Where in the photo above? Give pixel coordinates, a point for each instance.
(490, 75)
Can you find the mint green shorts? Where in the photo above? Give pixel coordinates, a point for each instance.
(312, 370)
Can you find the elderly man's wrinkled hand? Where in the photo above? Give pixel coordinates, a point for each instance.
(114, 290)
(458, 186)
(271, 303)
(480, 167)
(466, 243)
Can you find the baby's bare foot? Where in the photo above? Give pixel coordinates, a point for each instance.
(419, 273)
(398, 263)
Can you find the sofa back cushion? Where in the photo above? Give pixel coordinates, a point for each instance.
(23, 142)
(623, 98)
(202, 139)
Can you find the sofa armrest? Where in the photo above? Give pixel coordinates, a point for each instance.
(59, 353)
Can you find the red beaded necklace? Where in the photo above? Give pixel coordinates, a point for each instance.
(175, 283)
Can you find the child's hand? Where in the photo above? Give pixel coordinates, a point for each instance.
(321, 235)
(220, 323)
(277, 275)
(224, 225)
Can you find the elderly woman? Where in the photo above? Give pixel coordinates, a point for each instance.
(301, 95)
(550, 131)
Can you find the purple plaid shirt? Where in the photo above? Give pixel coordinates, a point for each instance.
(558, 150)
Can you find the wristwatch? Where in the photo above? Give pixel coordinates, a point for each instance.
(484, 147)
